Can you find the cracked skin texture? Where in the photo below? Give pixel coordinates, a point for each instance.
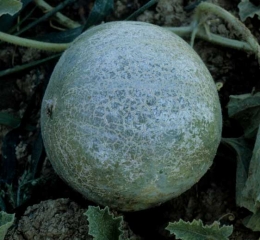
(131, 116)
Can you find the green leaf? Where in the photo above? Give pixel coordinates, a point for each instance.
(253, 222)
(141, 10)
(246, 110)
(10, 7)
(9, 120)
(247, 9)
(100, 10)
(8, 21)
(251, 192)
(103, 225)
(6, 221)
(244, 153)
(66, 36)
(195, 230)
(9, 160)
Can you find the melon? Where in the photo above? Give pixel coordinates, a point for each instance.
(131, 117)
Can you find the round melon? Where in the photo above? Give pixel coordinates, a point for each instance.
(131, 116)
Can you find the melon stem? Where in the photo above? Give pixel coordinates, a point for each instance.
(25, 42)
(250, 44)
(213, 38)
(204, 9)
(181, 31)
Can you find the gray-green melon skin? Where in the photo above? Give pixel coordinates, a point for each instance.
(131, 116)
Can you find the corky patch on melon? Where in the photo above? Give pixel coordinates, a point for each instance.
(136, 119)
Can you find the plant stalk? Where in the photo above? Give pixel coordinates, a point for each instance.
(240, 28)
(214, 38)
(46, 16)
(24, 42)
(181, 31)
(26, 66)
(204, 8)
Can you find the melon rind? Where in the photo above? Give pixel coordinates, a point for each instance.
(131, 117)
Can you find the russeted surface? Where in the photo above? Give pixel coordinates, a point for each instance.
(131, 116)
